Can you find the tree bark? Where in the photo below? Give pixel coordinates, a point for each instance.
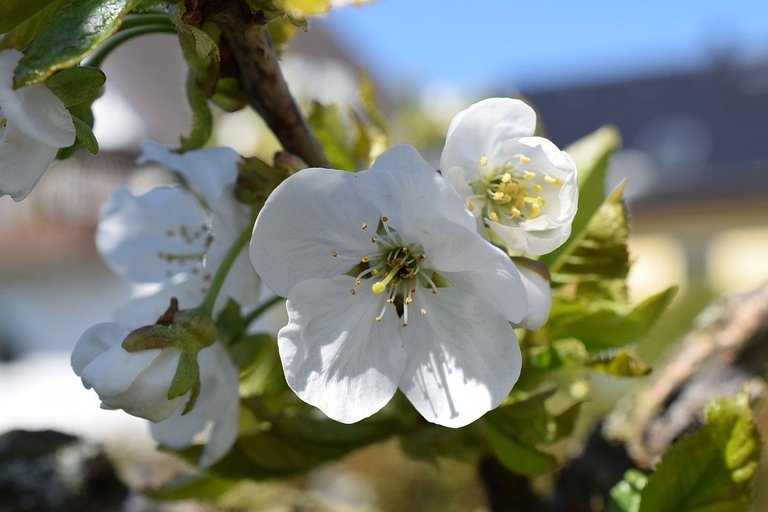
(245, 33)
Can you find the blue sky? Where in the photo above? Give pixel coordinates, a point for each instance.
(543, 43)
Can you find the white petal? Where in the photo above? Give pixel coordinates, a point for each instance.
(94, 342)
(147, 396)
(534, 242)
(23, 160)
(335, 355)
(152, 237)
(242, 283)
(209, 172)
(33, 109)
(218, 391)
(539, 298)
(311, 215)
(479, 130)
(474, 266)
(463, 358)
(406, 188)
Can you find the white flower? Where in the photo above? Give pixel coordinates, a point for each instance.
(138, 383)
(522, 187)
(389, 286)
(176, 236)
(33, 126)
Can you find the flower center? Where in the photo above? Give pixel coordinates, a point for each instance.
(512, 194)
(396, 268)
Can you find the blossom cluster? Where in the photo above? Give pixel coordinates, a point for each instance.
(400, 277)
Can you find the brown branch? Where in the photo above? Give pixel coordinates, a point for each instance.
(245, 33)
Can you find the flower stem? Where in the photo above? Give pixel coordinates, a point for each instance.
(221, 273)
(261, 309)
(96, 59)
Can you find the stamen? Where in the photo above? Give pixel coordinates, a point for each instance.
(529, 175)
(493, 216)
(524, 159)
(506, 178)
(423, 311)
(470, 205)
(483, 161)
(516, 213)
(364, 259)
(537, 187)
(431, 283)
(364, 226)
(352, 291)
(334, 254)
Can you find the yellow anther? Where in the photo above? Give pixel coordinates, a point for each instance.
(384, 219)
(537, 187)
(364, 259)
(529, 175)
(513, 188)
(516, 213)
(364, 226)
(334, 253)
(550, 180)
(423, 311)
(484, 161)
(524, 159)
(493, 216)
(358, 282)
(535, 210)
(498, 196)
(470, 205)
(520, 201)
(559, 182)
(408, 300)
(506, 178)
(378, 319)
(352, 291)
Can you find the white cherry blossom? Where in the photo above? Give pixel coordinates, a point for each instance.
(389, 286)
(33, 126)
(138, 383)
(176, 236)
(521, 187)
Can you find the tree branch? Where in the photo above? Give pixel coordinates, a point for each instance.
(246, 34)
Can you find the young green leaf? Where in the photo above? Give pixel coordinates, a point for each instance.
(626, 494)
(327, 123)
(77, 85)
(15, 12)
(65, 43)
(85, 136)
(712, 469)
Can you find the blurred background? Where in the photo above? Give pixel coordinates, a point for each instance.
(686, 84)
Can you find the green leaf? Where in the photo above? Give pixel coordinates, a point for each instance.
(85, 135)
(79, 27)
(14, 12)
(77, 85)
(592, 155)
(198, 486)
(620, 363)
(517, 457)
(186, 377)
(596, 262)
(711, 470)
(602, 325)
(514, 429)
(328, 125)
(22, 34)
(626, 493)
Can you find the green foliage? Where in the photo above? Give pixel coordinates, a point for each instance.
(21, 34)
(711, 470)
(592, 155)
(200, 49)
(15, 12)
(199, 486)
(514, 430)
(85, 136)
(626, 494)
(76, 85)
(80, 26)
(328, 126)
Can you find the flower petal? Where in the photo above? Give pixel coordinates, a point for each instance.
(311, 216)
(146, 307)
(406, 187)
(152, 237)
(463, 357)
(33, 109)
(539, 296)
(207, 171)
(23, 160)
(96, 341)
(218, 403)
(477, 132)
(474, 266)
(335, 355)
